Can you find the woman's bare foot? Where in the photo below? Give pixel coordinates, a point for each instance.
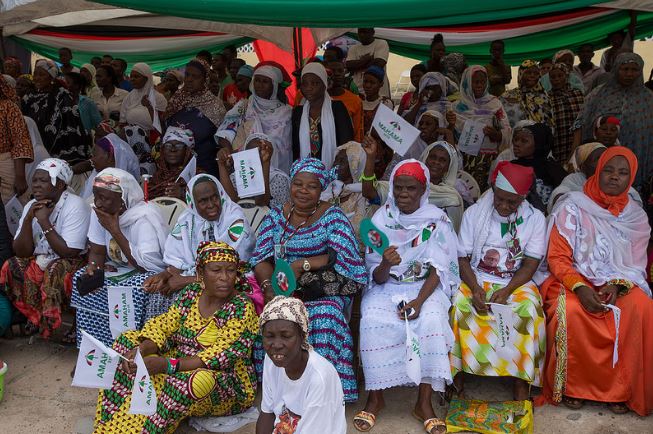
(423, 408)
(375, 403)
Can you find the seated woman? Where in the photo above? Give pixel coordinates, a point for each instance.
(210, 216)
(597, 257)
(320, 125)
(410, 98)
(346, 191)
(265, 111)
(606, 131)
(301, 389)
(111, 151)
(432, 95)
(586, 157)
(500, 246)
(441, 159)
(198, 354)
(277, 183)
(176, 151)
(126, 237)
(413, 280)
(50, 237)
(532, 148)
(318, 242)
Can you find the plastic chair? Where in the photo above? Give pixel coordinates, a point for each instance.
(402, 86)
(253, 213)
(171, 208)
(471, 184)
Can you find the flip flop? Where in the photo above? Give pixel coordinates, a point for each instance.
(431, 423)
(366, 417)
(618, 407)
(573, 403)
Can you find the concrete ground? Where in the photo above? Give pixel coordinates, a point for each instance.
(39, 399)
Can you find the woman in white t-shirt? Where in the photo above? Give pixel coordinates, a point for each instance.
(302, 393)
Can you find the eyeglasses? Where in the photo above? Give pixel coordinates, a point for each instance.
(174, 146)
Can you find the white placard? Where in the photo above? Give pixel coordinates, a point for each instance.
(413, 355)
(143, 392)
(189, 171)
(505, 319)
(471, 138)
(96, 364)
(616, 315)
(13, 212)
(394, 130)
(122, 316)
(248, 172)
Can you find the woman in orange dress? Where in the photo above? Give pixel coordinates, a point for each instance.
(597, 258)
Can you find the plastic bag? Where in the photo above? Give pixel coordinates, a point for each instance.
(490, 417)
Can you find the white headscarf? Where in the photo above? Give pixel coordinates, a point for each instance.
(124, 157)
(425, 236)
(182, 135)
(191, 229)
(357, 158)
(132, 110)
(146, 253)
(57, 169)
(327, 122)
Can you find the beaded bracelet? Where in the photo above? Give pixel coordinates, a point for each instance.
(367, 178)
(48, 230)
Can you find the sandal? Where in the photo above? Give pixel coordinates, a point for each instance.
(431, 423)
(450, 391)
(573, 403)
(618, 407)
(365, 417)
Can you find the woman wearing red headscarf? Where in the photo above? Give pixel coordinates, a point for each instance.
(597, 258)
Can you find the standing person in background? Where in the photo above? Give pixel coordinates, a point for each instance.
(219, 66)
(15, 144)
(544, 66)
(96, 61)
(65, 56)
(238, 90)
(438, 50)
(120, 66)
(88, 111)
(107, 59)
(230, 52)
(587, 70)
(567, 103)
(370, 52)
(108, 96)
(170, 83)
(13, 66)
(338, 92)
(205, 55)
(620, 42)
(234, 67)
(88, 71)
(498, 72)
(143, 104)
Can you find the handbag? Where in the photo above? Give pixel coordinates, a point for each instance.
(325, 281)
(499, 417)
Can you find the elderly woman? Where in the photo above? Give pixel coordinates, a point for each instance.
(432, 95)
(477, 105)
(110, 151)
(126, 237)
(266, 111)
(318, 242)
(320, 125)
(301, 389)
(597, 258)
(625, 97)
(15, 146)
(53, 110)
(500, 246)
(411, 287)
(586, 158)
(195, 108)
(143, 104)
(198, 354)
(529, 100)
(50, 237)
(210, 216)
(567, 103)
(176, 151)
(441, 160)
(277, 182)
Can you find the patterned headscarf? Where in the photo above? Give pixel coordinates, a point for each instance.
(108, 182)
(211, 251)
(288, 309)
(181, 135)
(316, 167)
(526, 64)
(49, 66)
(57, 169)
(6, 90)
(562, 53)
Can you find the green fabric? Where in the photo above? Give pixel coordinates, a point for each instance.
(543, 44)
(157, 61)
(347, 13)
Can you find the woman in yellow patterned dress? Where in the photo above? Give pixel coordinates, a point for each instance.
(501, 242)
(198, 354)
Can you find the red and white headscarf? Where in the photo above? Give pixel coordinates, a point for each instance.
(513, 178)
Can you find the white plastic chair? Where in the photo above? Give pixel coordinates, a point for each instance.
(253, 213)
(471, 184)
(402, 86)
(171, 207)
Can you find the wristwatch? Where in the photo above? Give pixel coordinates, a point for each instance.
(306, 265)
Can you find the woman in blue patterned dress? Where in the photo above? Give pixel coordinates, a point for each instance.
(126, 235)
(318, 242)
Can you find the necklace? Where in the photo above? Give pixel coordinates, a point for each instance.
(283, 241)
